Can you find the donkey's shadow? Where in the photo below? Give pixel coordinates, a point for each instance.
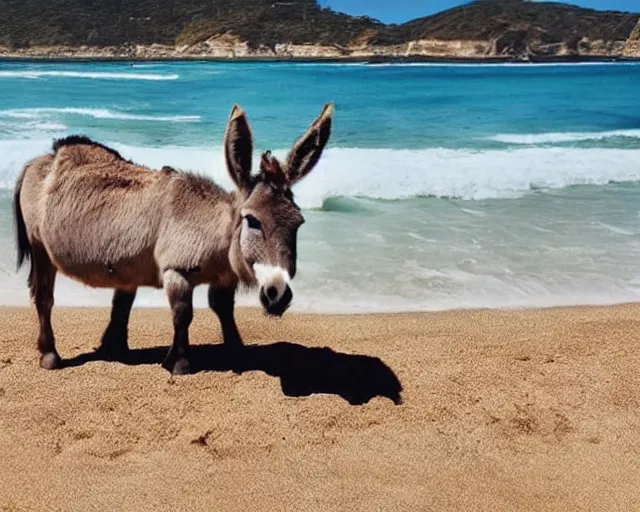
(303, 371)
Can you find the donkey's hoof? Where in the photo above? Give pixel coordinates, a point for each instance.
(50, 361)
(113, 353)
(181, 367)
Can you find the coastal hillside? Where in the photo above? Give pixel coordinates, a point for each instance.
(246, 28)
(517, 27)
(25, 23)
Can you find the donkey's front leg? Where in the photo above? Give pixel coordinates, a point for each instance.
(180, 293)
(114, 346)
(222, 302)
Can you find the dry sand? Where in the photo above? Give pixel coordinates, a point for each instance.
(502, 410)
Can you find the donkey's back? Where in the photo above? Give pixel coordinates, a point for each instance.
(101, 218)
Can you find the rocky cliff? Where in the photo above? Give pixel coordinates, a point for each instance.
(632, 47)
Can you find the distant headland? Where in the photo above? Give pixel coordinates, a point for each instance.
(301, 30)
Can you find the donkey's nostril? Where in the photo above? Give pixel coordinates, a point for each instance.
(272, 293)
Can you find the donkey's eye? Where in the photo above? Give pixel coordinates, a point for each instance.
(253, 222)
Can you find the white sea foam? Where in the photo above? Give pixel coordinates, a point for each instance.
(96, 113)
(559, 137)
(394, 174)
(35, 74)
(616, 229)
(50, 126)
(18, 114)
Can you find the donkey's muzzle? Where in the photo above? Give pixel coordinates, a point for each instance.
(273, 302)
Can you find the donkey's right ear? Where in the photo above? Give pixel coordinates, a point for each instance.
(238, 148)
(308, 148)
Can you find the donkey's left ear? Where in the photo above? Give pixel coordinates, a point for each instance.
(238, 148)
(307, 150)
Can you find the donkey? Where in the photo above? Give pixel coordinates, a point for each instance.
(87, 212)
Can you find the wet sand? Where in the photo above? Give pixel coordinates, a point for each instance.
(501, 410)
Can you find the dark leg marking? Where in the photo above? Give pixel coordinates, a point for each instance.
(114, 346)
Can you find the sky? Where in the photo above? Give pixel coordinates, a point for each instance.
(399, 11)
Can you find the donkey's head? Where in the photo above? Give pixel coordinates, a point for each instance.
(265, 254)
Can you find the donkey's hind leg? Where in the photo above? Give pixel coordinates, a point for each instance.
(180, 293)
(114, 346)
(42, 284)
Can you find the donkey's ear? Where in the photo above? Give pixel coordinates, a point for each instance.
(238, 147)
(308, 148)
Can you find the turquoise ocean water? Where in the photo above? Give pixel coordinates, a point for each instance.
(444, 186)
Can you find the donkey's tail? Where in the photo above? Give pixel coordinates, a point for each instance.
(22, 239)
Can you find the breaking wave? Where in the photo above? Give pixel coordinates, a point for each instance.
(393, 174)
(560, 137)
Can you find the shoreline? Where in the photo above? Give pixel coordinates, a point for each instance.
(257, 310)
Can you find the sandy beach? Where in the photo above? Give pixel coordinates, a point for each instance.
(501, 410)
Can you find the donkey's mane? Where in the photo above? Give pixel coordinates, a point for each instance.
(73, 140)
(267, 176)
(264, 177)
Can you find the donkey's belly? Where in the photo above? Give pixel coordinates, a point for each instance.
(104, 245)
(122, 274)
